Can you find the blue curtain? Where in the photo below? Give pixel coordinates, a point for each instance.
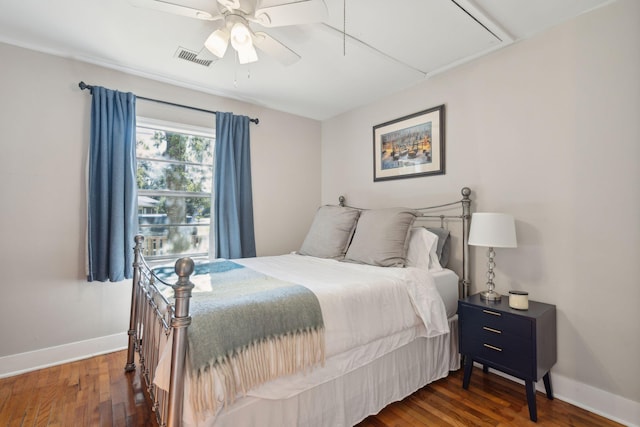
(112, 189)
(233, 199)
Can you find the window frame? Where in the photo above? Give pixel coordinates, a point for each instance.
(183, 128)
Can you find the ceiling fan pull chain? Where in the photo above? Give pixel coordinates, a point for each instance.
(344, 27)
(235, 71)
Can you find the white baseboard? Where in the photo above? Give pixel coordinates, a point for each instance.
(617, 408)
(609, 405)
(32, 360)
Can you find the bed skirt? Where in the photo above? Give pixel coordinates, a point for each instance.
(347, 400)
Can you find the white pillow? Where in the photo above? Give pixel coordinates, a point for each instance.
(423, 250)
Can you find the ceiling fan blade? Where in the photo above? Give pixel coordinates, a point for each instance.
(274, 48)
(294, 13)
(178, 9)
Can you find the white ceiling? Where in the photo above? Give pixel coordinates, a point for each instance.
(388, 45)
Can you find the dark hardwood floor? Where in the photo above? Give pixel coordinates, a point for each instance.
(97, 392)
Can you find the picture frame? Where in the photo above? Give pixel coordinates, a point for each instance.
(410, 146)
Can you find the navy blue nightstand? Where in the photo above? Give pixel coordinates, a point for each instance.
(521, 343)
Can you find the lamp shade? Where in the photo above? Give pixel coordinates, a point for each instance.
(217, 42)
(495, 230)
(247, 55)
(240, 36)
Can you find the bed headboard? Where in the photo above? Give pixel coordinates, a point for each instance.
(458, 211)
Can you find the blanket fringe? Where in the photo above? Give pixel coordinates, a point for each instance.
(253, 365)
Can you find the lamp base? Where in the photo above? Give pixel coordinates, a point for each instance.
(490, 296)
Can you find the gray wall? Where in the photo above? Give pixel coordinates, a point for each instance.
(549, 131)
(44, 122)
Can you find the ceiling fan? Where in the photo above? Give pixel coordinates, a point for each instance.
(236, 16)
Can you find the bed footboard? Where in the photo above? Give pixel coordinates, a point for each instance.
(155, 323)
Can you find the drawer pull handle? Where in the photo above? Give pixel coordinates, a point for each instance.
(495, 331)
(495, 313)
(493, 347)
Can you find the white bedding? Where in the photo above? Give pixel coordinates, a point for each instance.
(447, 286)
(361, 303)
(368, 312)
(350, 398)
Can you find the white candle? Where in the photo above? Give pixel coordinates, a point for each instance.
(519, 300)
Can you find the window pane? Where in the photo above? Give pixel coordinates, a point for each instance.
(168, 209)
(160, 144)
(174, 225)
(156, 175)
(162, 240)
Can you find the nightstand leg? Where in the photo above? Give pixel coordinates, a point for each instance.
(547, 385)
(485, 369)
(531, 400)
(468, 367)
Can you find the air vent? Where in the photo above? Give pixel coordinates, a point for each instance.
(191, 56)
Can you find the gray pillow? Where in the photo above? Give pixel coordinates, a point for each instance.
(444, 245)
(330, 232)
(382, 237)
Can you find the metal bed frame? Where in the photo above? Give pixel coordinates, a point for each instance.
(153, 319)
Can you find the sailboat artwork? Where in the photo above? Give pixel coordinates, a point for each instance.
(410, 146)
(406, 147)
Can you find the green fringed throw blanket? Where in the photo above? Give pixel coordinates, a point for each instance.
(249, 329)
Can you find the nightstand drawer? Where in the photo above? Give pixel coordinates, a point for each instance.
(512, 356)
(478, 320)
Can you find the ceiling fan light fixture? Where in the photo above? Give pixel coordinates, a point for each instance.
(240, 36)
(217, 42)
(247, 55)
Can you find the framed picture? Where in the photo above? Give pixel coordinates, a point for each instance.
(410, 146)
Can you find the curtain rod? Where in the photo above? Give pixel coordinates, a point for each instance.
(84, 86)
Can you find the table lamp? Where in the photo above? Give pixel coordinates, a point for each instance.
(492, 230)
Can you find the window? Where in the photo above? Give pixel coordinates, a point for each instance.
(174, 177)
